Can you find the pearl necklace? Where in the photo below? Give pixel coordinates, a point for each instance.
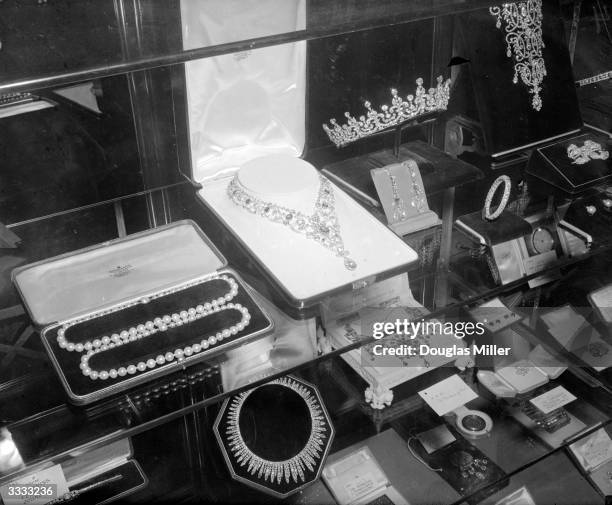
(150, 327)
(159, 324)
(293, 468)
(321, 226)
(178, 354)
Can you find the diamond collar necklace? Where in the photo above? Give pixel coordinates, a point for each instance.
(321, 226)
(294, 468)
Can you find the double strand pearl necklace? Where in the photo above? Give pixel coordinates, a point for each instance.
(159, 324)
(149, 327)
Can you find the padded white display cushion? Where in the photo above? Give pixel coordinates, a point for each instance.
(303, 267)
(279, 176)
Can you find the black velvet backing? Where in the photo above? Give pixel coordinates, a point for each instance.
(597, 225)
(446, 459)
(552, 164)
(159, 343)
(505, 108)
(275, 424)
(347, 70)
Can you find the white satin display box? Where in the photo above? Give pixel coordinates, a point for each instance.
(247, 124)
(123, 312)
(301, 265)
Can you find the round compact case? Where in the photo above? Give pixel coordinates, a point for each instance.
(275, 437)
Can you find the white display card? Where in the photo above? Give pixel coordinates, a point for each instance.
(553, 399)
(448, 395)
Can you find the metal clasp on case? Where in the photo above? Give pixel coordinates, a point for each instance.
(363, 283)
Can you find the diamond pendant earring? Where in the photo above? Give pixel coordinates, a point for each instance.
(399, 207)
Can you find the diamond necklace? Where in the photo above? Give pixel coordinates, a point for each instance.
(321, 226)
(523, 28)
(293, 468)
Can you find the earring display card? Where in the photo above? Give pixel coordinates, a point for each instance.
(402, 194)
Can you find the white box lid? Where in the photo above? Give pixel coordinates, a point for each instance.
(114, 272)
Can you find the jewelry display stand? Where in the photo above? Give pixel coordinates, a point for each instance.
(140, 307)
(402, 194)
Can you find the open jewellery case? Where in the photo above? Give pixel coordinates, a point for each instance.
(252, 104)
(119, 313)
(111, 467)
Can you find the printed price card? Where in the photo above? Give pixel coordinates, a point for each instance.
(448, 395)
(553, 399)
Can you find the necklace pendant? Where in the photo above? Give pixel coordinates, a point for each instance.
(349, 263)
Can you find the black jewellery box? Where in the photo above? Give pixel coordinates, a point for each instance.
(540, 115)
(120, 313)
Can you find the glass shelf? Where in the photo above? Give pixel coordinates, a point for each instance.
(47, 429)
(119, 37)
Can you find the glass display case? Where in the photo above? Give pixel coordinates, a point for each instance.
(409, 210)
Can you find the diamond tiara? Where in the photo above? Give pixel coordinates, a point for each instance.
(399, 111)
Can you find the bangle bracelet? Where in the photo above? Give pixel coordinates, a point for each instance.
(486, 211)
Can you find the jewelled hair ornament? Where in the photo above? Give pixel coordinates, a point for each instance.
(321, 226)
(590, 150)
(523, 27)
(400, 110)
(290, 470)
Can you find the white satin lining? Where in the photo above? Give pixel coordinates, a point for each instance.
(248, 104)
